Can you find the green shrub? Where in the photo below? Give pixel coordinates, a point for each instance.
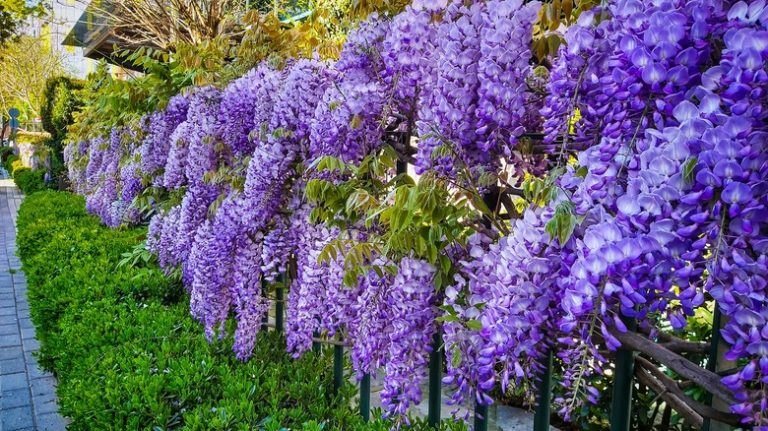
(29, 181)
(61, 99)
(8, 162)
(5, 152)
(60, 102)
(129, 356)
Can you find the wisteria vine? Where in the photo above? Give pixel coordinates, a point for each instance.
(654, 122)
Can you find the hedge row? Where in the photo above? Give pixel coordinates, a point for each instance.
(29, 180)
(128, 355)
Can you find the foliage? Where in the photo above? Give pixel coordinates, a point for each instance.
(147, 23)
(553, 17)
(60, 103)
(323, 31)
(13, 13)
(266, 34)
(413, 218)
(9, 161)
(29, 180)
(16, 166)
(128, 356)
(32, 138)
(27, 63)
(6, 152)
(109, 102)
(8, 24)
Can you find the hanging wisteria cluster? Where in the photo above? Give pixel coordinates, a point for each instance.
(664, 170)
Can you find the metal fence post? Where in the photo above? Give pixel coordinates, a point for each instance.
(712, 362)
(481, 417)
(401, 167)
(338, 368)
(543, 403)
(265, 295)
(315, 343)
(365, 397)
(717, 362)
(621, 405)
(279, 306)
(435, 381)
(491, 199)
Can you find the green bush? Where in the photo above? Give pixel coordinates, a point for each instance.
(61, 99)
(8, 162)
(29, 181)
(128, 355)
(60, 102)
(5, 152)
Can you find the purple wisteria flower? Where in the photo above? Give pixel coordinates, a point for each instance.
(659, 107)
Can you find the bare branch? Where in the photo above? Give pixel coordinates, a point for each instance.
(27, 64)
(682, 366)
(165, 24)
(671, 386)
(676, 344)
(673, 400)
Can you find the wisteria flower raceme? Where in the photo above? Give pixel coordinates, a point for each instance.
(157, 142)
(654, 111)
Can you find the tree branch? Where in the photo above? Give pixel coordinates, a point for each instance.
(645, 377)
(676, 344)
(673, 387)
(687, 369)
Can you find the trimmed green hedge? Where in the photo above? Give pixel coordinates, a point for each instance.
(29, 181)
(128, 355)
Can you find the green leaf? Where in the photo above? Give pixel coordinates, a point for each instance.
(445, 263)
(456, 357)
(350, 279)
(688, 168)
(448, 318)
(474, 325)
(563, 223)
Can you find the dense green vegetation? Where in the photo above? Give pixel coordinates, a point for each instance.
(12, 15)
(5, 153)
(61, 100)
(29, 180)
(128, 355)
(8, 162)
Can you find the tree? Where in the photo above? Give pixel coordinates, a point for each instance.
(164, 24)
(8, 25)
(27, 64)
(12, 13)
